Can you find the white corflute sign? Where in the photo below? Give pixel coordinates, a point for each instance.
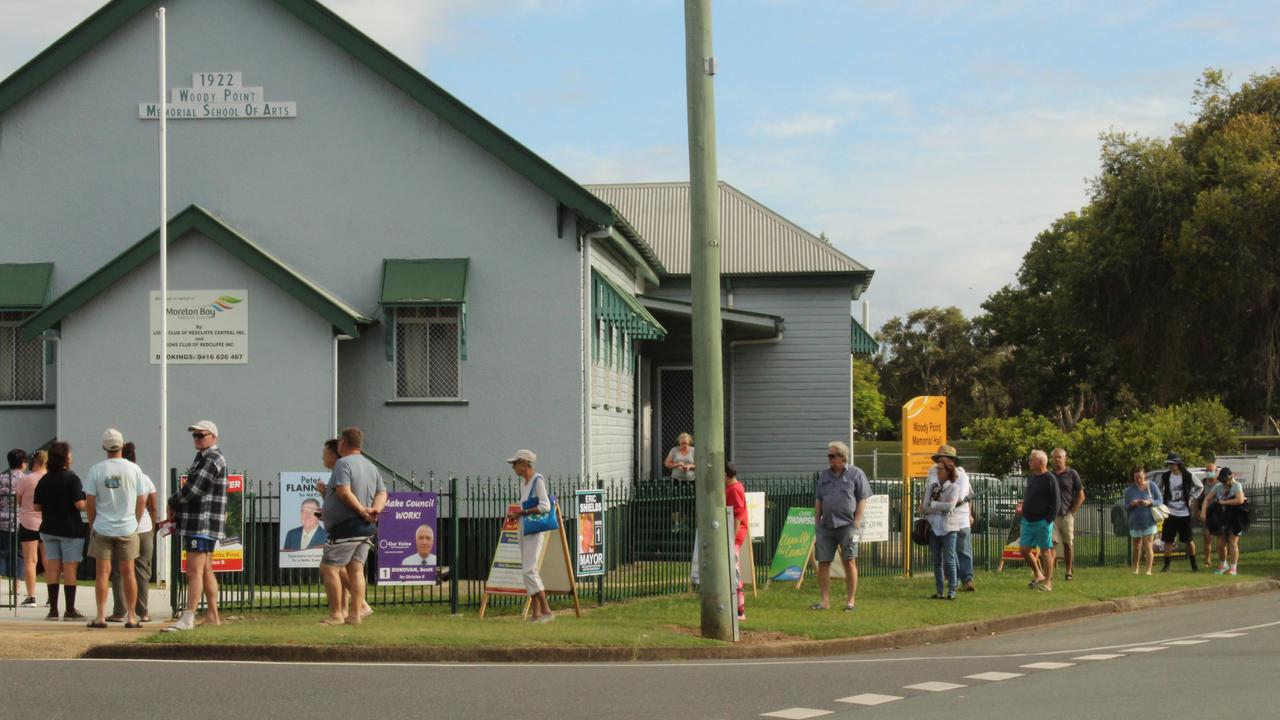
(206, 327)
(218, 96)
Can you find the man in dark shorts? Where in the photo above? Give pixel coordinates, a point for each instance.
(840, 498)
(199, 509)
(1181, 490)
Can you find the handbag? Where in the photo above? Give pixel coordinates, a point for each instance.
(1159, 513)
(920, 531)
(538, 522)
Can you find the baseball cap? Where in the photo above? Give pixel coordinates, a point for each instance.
(205, 425)
(526, 455)
(112, 440)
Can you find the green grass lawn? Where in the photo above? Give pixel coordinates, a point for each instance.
(884, 605)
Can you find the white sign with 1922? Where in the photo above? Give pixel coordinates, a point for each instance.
(218, 95)
(206, 327)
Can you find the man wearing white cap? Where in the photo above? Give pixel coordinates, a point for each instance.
(200, 511)
(115, 495)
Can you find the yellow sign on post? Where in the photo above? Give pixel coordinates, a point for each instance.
(924, 428)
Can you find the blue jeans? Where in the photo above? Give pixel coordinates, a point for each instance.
(943, 550)
(964, 555)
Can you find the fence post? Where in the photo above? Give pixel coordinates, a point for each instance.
(875, 463)
(1271, 514)
(455, 543)
(175, 550)
(1102, 535)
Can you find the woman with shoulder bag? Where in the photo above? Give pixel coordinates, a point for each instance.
(939, 506)
(534, 501)
(1139, 499)
(1229, 497)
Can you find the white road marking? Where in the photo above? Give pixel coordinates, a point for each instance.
(869, 699)
(1224, 635)
(1149, 648)
(796, 713)
(1099, 656)
(1048, 665)
(1185, 642)
(933, 686)
(994, 676)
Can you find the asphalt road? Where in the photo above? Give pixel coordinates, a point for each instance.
(1204, 660)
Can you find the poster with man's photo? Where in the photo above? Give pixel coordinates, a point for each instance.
(302, 534)
(407, 539)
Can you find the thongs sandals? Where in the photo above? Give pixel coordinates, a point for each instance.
(96, 625)
(132, 625)
(817, 606)
(850, 608)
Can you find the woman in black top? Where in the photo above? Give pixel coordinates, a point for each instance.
(60, 498)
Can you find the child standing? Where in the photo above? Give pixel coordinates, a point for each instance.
(735, 497)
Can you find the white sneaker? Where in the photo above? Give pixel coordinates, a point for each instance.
(546, 619)
(186, 622)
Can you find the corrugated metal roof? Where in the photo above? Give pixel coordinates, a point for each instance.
(754, 239)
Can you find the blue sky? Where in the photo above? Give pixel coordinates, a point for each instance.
(929, 140)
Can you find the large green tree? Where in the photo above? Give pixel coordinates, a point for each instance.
(1167, 284)
(937, 351)
(868, 404)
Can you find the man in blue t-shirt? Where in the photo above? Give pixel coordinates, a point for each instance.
(840, 497)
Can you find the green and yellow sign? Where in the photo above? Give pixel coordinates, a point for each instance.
(794, 546)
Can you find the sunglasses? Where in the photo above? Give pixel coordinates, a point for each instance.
(199, 435)
(832, 456)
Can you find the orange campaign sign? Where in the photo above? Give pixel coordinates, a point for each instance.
(924, 428)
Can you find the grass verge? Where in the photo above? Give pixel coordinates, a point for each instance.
(779, 613)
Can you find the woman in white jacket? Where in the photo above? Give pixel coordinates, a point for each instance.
(939, 505)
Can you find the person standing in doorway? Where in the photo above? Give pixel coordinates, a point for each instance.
(1039, 506)
(1071, 497)
(146, 545)
(115, 498)
(680, 459)
(534, 500)
(1179, 489)
(840, 498)
(199, 509)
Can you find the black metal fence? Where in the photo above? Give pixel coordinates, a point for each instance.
(649, 538)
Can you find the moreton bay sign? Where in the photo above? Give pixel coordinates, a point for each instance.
(218, 95)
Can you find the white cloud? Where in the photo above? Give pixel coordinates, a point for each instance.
(803, 125)
(27, 27)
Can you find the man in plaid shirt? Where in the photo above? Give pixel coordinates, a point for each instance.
(200, 510)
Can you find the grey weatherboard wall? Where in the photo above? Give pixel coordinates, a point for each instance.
(790, 399)
(363, 173)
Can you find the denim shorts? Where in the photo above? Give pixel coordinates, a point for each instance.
(828, 539)
(198, 544)
(65, 549)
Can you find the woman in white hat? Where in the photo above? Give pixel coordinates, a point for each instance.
(532, 485)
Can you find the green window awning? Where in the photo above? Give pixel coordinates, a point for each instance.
(860, 341)
(24, 286)
(424, 282)
(620, 308)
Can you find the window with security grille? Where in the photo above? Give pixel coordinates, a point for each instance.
(427, 352)
(21, 363)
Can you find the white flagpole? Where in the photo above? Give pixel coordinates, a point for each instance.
(162, 479)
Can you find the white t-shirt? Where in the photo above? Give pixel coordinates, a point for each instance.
(962, 481)
(116, 484)
(1175, 502)
(145, 525)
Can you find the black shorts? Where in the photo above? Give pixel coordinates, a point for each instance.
(25, 535)
(1176, 526)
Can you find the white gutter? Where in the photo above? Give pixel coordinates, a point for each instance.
(584, 350)
(336, 339)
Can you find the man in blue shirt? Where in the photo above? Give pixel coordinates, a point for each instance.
(839, 500)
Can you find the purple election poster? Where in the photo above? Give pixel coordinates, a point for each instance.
(407, 539)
